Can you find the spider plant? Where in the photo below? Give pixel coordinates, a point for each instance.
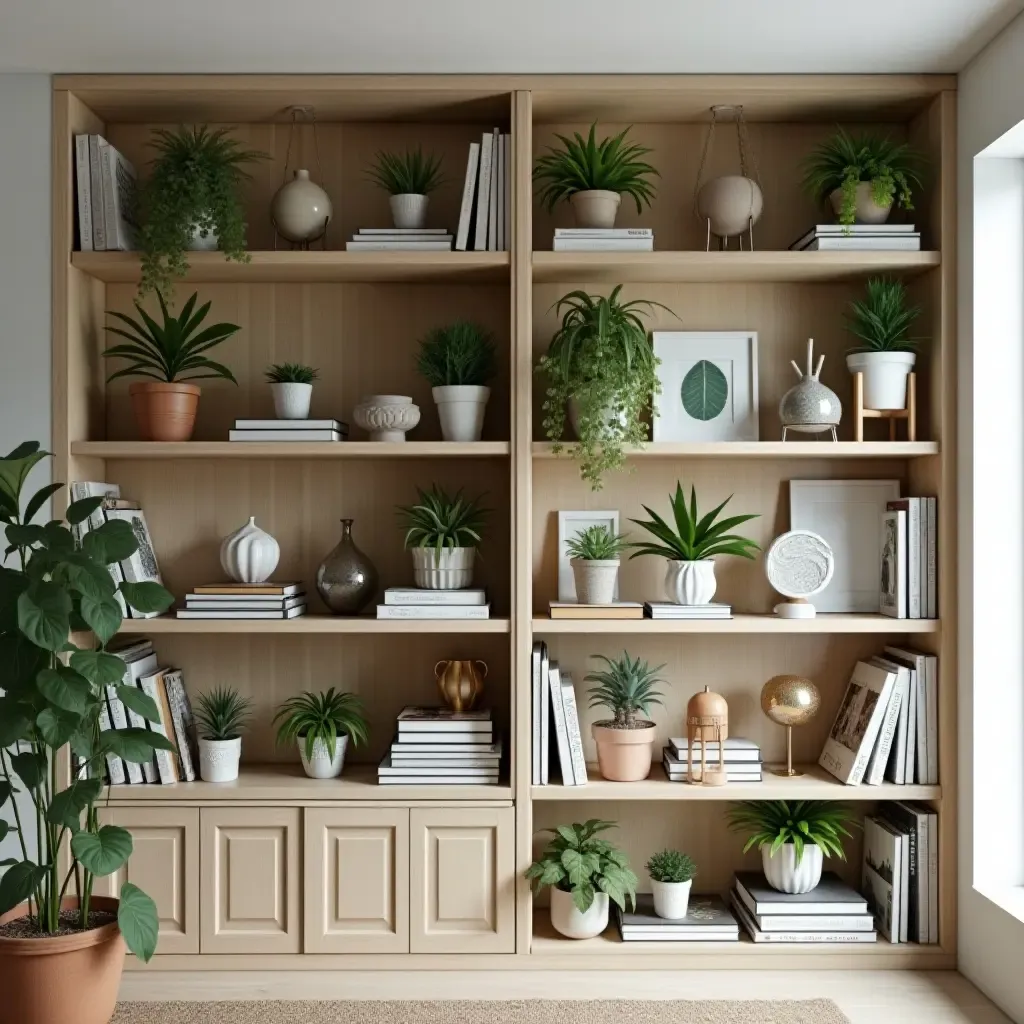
(438, 521)
(625, 687)
(584, 164)
(291, 373)
(596, 544)
(801, 822)
(461, 353)
(222, 714)
(409, 173)
(881, 321)
(321, 717)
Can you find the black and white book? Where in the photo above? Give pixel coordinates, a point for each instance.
(388, 775)
(932, 719)
(483, 191)
(400, 245)
(561, 730)
(116, 771)
(666, 610)
(854, 233)
(492, 205)
(243, 613)
(434, 611)
(892, 596)
(708, 919)
(882, 875)
(211, 603)
(737, 749)
(79, 489)
(134, 671)
(119, 184)
(572, 730)
(417, 596)
(863, 922)
(184, 725)
(499, 207)
(480, 749)
(875, 772)
(928, 860)
(269, 588)
(898, 243)
(119, 720)
(99, 237)
(338, 426)
(83, 193)
(142, 566)
(830, 896)
(924, 759)
(468, 195)
(285, 435)
(408, 771)
(415, 719)
(913, 823)
(604, 233)
(794, 936)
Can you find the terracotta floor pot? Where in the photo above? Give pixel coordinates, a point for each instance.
(164, 412)
(624, 755)
(68, 979)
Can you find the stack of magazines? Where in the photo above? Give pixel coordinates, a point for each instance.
(417, 603)
(741, 761)
(708, 919)
(670, 610)
(603, 240)
(288, 430)
(400, 239)
(268, 600)
(859, 238)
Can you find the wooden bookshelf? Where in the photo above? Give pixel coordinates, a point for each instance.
(149, 450)
(762, 624)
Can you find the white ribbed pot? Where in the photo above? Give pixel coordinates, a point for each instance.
(451, 569)
(783, 873)
(461, 408)
(323, 764)
(885, 377)
(595, 579)
(866, 210)
(218, 759)
(409, 210)
(291, 400)
(249, 555)
(567, 919)
(690, 582)
(595, 208)
(671, 899)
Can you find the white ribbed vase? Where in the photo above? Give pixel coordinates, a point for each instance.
(452, 569)
(690, 582)
(783, 873)
(249, 555)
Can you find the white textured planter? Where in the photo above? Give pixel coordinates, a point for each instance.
(452, 569)
(783, 872)
(409, 210)
(291, 400)
(249, 555)
(567, 920)
(323, 764)
(867, 211)
(461, 408)
(671, 899)
(691, 582)
(386, 417)
(595, 208)
(198, 243)
(595, 579)
(885, 377)
(607, 416)
(218, 759)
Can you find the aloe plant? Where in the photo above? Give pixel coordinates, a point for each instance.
(773, 823)
(438, 521)
(626, 687)
(322, 717)
(409, 173)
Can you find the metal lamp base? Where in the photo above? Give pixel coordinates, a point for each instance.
(789, 773)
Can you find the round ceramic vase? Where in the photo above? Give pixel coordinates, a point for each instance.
(409, 210)
(732, 203)
(301, 210)
(386, 417)
(690, 582)
(249, 555)
(461, 408)
(595, 208)
(324, 764)
(567, 919)
(810, 407)
(218, 759)
(624, 755)
(885, 377)
(449, 569)
(671, 899)
(291, 400)
(346, 579)
(595, 579)
(783, 873)
(866, 210)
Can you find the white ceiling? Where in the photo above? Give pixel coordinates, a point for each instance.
(539, 36)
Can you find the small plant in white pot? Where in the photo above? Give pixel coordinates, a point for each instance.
(584, 872)
(322, 725)
(221, 716)
(671, 873)
(885, 355)
(408, 178)
(691, 544)
(594, 557)
(291, 384)
(793, 837)
(442, 533)
(458, 361)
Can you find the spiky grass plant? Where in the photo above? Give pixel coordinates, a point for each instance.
(291, 373)
(671, 866)
(882, 319)
(626, 687)
(596, 544)
(408, 173)
(438, 521)
(223, 713)
(460, 353)
(321, 717)
(802, 822)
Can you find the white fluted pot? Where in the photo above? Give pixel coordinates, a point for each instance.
(449, 569)
(783, 873)
(249, 555)
(690, 582)
(324, 764)
(409, 210)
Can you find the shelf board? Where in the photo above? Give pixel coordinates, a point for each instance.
(291, 449)
(313, 624)
(815, 784)
(312, 267)
(824, 623)
(764, 267)
(765, 450)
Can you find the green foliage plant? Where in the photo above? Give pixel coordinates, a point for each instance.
(461, 353)
(671, 866)
(222, 714)
(596, 544)
(58, 586)
(612, 165)
(882, 320)
(291, 373)
(321, 717)
(408, 173)
(195, 185)
(441, 521)
(626, 687)
(774, 823)
(578, 862)
(600, 357)
(172, 350)
(694, 537)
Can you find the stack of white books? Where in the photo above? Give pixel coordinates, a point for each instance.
(105, 195)
(742, 760)
(441, 747)
(417, 603)
(909, 569)
(859, 237)
(268, 600)
(400, 240)
(666, 610)
(708, 919)
(556, 723)
(832, 912)
(485, 215)
(603, 240)
(288, 430)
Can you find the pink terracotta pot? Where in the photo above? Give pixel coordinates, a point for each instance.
(164, 412)
(624, 755)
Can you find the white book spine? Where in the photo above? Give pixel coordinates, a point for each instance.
(910, 765)
(892, 600)
(535, 714)
(468, 194)
(507, 212)
(897, 764)
(119, 720)
(99, 237)
(398, 246)
(499, 210)
(164, 758)
(922, 725)
(115, 766)
(815, 923)
(110, 205)
(459, 598)
(603, 245)
(136, 721)
(880, 755)
(483, 193)
(933, 877)
(932, 572)
(932, 718)
(914, 563)
(561, 734)
(182, 722)
(604, 233)
(545, 717)
(438, 611)
(572, 727)
(83, 192)
(492, 206)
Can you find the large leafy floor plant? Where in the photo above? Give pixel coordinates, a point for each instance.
(54, 691)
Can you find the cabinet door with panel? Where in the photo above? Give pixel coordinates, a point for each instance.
(251, 880)
(462, 879)
(356, 880)
(165, 865)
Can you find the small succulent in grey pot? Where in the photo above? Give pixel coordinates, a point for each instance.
(810, 407)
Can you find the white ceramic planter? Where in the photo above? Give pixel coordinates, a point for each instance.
(249, 555)
(461, 408)
(386, 417)
(885, 377)
(567, 920)
(595, 579)
(218, 759)
(291, 400)
(301, 210)
(690, 582)
(452, 569)
(783, 872)
(409, 210)
(867, 211)
(671, 899)
(323, 764)
(595, 208)
(200, 244)
(607, 416)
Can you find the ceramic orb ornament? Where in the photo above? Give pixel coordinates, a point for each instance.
(249, 555)
(799, 564)
(732, 204)
(810, 407)
(301, 209)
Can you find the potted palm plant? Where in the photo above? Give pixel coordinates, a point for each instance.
(594, 557)
(61, 946)
(594, 176)
(601, 367)
(625, 743)
(291, 384)
(885, 353)
(321, 725)
(442, 533)
(672, 874)
(691, 545)
(408, 178)
(221, 716)
(793, 837)
(458, 361)
(583, 872)
(170, 354)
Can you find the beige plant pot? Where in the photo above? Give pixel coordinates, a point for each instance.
(595, 579)
(595, 208)
(624, 755)
(164, 412)
(866, 210)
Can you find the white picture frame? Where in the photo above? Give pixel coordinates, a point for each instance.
(698, 360)
(848, 515)
(571, 523)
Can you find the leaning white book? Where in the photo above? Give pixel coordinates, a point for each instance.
(880, 877)
(875, 771)
(468, 194)
(561, 733)
(572, 728)
(483, 192)
(892, 596)
(119, 199)
(492, 207)
(83, 192)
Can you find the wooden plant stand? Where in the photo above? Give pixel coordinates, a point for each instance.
(860, 414)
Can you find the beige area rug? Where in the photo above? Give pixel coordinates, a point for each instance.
(816, 1011)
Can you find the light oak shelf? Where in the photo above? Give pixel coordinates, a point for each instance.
(831, 623)
(363, 624)
(766, 450)
(291, 449)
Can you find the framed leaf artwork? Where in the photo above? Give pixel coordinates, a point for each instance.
(708, 386)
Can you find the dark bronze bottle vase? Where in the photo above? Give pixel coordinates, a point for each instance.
(346, 579)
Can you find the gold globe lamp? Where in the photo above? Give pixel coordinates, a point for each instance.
(789, 700)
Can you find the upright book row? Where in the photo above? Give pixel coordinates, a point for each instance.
(909, 570)
(105, 194)
(485, 217)
(556, 724)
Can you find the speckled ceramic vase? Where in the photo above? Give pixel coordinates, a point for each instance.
(809, 407)
(346, 579)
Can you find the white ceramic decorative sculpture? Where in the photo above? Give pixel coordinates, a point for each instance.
(386, 417)
(249, 555)
(799, 564)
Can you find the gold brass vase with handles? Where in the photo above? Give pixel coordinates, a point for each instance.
(461, 682)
